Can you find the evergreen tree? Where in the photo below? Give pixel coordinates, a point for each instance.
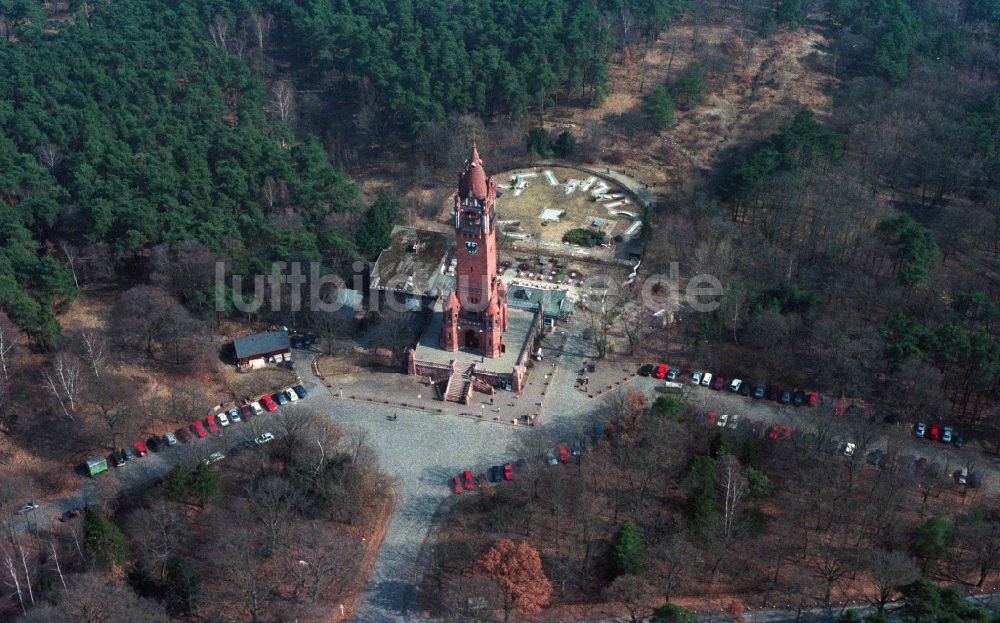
(104, 541)
(182, 586)
(629, 553)
(659, 108)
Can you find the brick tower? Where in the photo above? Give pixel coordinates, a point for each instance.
(475, 314)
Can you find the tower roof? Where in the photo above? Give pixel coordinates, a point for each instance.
(492, 309)
(452, 302)
(473, 179)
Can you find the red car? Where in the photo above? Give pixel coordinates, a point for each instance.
(140, 448)
(563, 453)
(268, 403)
(718, 382)
(839, 409)
(661, 371)
(710, 418)
(935, 432)
(211, 425)
(469, 482)
(774, 432)
(456, 484)
(198, 430)
(812, 399)
(508, 472)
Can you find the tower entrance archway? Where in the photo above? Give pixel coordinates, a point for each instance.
(471, 339)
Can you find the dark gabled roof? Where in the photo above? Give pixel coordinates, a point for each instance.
(261, 343)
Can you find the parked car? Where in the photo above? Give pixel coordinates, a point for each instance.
(812, 399)
(234, 415)
(263, 438)
(706, 379)
(26, 508)
(181, 434)
(745, 390)
(140, 448)
(292, 396)
(799, 398)
(673, 373)
(72, 513)
(734, 385)
(645, 369)
(170, 439)
(696, 378)
(959, 440)
(456, 484)
(962, 476)
(719, 382)
(495, 474)
(301, 391)
(257, 409)
(563, 453)
(154, 443)
(773, 393)
(467, 479)
(849, 448)
(920, 430)
(118, 458)
(246, 413)
(280, 398)
(875, 457)
(758, 390)
(721, 422)
(508, 471)
(711, 417)
(786, 396)
(976, 479)
(660, 372)
(213, 458)
(268, 403)
(210, 424)
(198, 430)
(550, 457)
(934, 433)
(129, 453)
(947, 434)
(222, 419)
(734, 420)
(577, 448)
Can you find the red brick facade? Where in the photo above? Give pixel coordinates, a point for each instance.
(475, 314)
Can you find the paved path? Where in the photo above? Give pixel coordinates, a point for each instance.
(422, 450)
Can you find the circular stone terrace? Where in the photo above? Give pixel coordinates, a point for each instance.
(537, 206)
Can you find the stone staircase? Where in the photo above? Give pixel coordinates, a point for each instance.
(459, 387)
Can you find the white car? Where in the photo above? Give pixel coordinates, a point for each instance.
(214, 457)
(696, 378)
(721, 422)
(257, 409)
(26, 508)
(849, 448)
(706, 379)
(263, 438)
(222, 419)
(735, 385)
(292, 396)
(734, 420)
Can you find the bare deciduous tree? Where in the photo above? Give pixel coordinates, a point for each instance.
(95, 349)
(218, 31)
(7, 344)
(889, 570)
(49, 155)
(283, 100)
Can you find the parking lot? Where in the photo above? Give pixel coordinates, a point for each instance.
(423, 449)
